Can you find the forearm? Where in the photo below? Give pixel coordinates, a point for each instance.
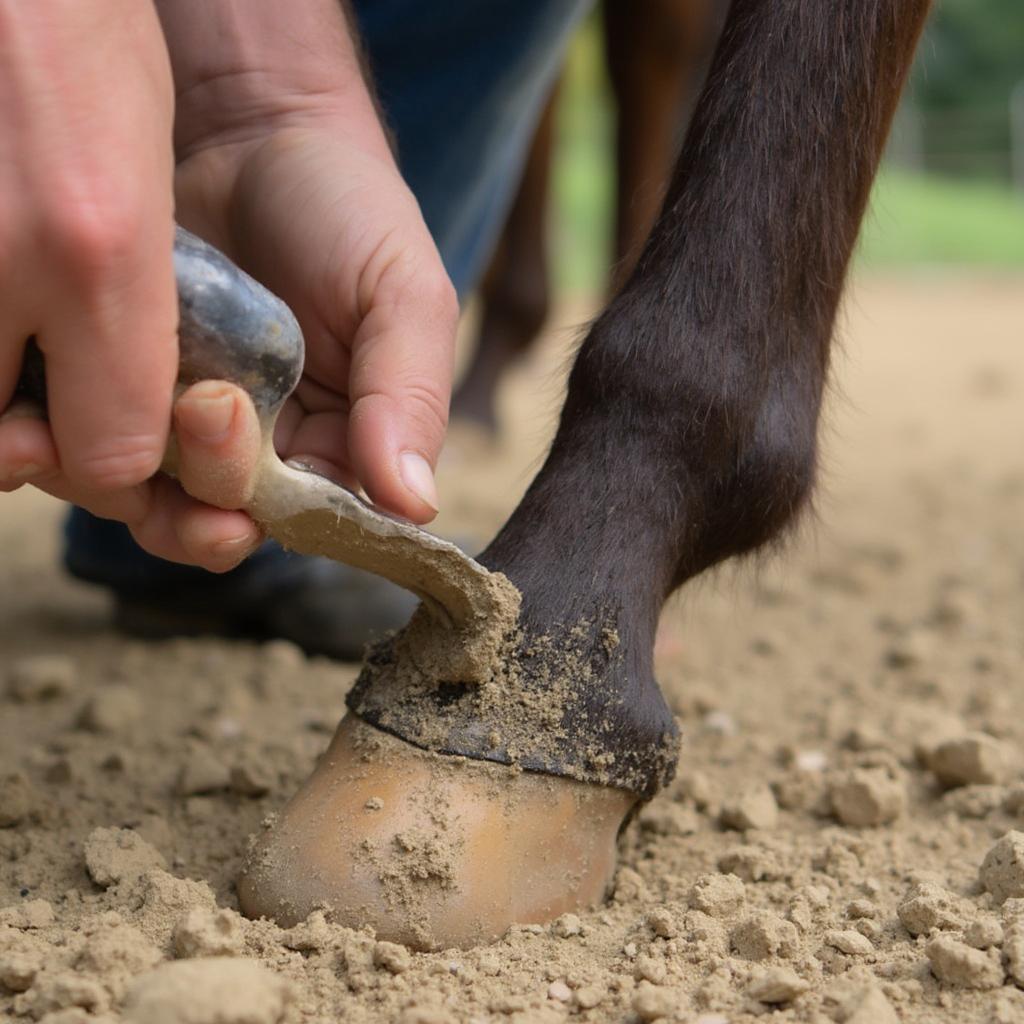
(242, 65)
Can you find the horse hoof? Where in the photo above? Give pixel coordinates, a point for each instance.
(429, 850)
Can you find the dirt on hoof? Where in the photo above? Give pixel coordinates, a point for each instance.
(432, 851)
(869, 683)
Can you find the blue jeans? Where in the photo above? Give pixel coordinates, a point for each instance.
(462, 84)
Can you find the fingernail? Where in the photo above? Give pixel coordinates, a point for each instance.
(208, 419)
(419, 478)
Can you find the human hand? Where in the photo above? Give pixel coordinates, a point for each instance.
(86, 233)
(319, 214)
(374, 400)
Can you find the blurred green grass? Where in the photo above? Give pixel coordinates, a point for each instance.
(919, 220)
(914, 220)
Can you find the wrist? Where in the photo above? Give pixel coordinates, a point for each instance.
(244, 70)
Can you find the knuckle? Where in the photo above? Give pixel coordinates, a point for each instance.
(425, 405)
(94, 232)
(119, 462)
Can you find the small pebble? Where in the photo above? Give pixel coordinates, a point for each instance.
(852, 943)
(721, 723)
(559, 991)
(810, 761)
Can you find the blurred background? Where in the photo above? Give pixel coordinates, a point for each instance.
(951, 191)
(946, 219)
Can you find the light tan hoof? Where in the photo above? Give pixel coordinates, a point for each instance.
(429, 850)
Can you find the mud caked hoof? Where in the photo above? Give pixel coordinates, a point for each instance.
(431, 850)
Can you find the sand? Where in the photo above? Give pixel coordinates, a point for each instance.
(844, 840)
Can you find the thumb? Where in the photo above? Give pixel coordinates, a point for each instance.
(400, 385)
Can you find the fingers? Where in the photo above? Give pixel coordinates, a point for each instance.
(167, 522)
(219, 443)
(111, 353)
(182, 529)
(86, 209)
(400, 385)
(219, 446)
(27, 451)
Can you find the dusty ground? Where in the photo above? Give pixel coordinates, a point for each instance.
(853, 718)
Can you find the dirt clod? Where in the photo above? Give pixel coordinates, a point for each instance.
(112, 710)
(217, 990)
(850, 942)
(867, 797)
(566, 926)
(392, 957)
(777, 985)
(41, 677)
(865, 1004)
(653, 1003)
(1002, 870)
(956, 964)
(928, 906)
(203, 772)
(754, 808)
(112, 854)
(16, 798)
(204, 933)
(717, 895)
(972, 759)
(764, 935)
